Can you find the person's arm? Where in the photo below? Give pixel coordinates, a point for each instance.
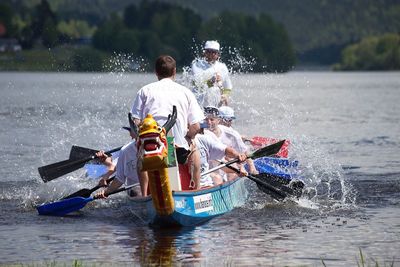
(115, 184)
(232, 153)
(226, 87)
(193, 130)
(107, 161)
(195, 157)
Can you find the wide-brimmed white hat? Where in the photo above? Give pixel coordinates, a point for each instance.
(212, 45)
(226, 112)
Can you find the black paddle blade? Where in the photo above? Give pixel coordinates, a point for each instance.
(293, 188)
(78, 152)
(269, 189)
(87, 192)
(55, 170)
(171, 120)
(267, 150)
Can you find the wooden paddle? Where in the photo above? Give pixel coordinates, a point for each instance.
(87, 192)
(262, 152)
(55, 170)
(65, 206)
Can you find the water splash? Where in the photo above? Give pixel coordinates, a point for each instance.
(264, 106)
(123, 63)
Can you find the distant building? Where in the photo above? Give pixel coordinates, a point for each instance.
(9, 45)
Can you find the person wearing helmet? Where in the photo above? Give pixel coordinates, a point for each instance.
(212, 149)
(210, 77)
(226, 135)
(227, 115)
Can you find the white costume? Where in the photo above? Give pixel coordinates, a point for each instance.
(159, 97)
(206, 89)
(210, 148)
(126, 169)
(230, 137)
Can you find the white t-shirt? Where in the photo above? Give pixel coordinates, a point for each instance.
(126, 169)
(232, 138)
(229, 137)
(202, 71)
(159, 97)
(210, 148)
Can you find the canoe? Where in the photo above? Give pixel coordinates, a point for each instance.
(193, 208)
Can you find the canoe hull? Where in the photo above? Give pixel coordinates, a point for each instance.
(195, 207)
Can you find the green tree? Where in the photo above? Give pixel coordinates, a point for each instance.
(49, 34)
(88, 59)
(372, 53)
(259, 37)
(104, 37)
(75, 29)
(6, 25)
(43, 16)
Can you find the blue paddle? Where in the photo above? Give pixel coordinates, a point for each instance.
(69, 205)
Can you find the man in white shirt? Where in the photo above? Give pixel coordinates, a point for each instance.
(126, 170)
(158, 99)
(211, 148)
(226, 135)
(210, 77)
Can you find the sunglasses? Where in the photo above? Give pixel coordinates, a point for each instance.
(227, 120)
(211, 111)
(212, 51)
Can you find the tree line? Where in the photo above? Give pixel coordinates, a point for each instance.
(152, 28)
(372, 53)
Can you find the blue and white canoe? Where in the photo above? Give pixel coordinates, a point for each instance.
(193, 208)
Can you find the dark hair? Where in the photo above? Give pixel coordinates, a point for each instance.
(165, 66)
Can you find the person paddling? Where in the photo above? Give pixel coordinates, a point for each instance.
(212, 149)
(226, 135)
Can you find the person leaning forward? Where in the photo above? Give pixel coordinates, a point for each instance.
(159, 97)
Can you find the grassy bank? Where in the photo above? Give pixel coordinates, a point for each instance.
(63, 58)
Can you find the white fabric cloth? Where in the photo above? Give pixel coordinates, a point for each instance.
(210, 148)
(126, 169)
(159, 97)
(232, 138)
(229, 137)
(202, 73)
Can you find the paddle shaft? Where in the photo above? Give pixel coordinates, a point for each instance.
(276, 192)
(118, 190)
(87, 192)
(262, 152)
(63, 207)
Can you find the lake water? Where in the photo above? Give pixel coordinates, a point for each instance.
(344, 130)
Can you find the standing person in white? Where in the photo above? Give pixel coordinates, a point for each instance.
(159, 97)
(210, 77)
